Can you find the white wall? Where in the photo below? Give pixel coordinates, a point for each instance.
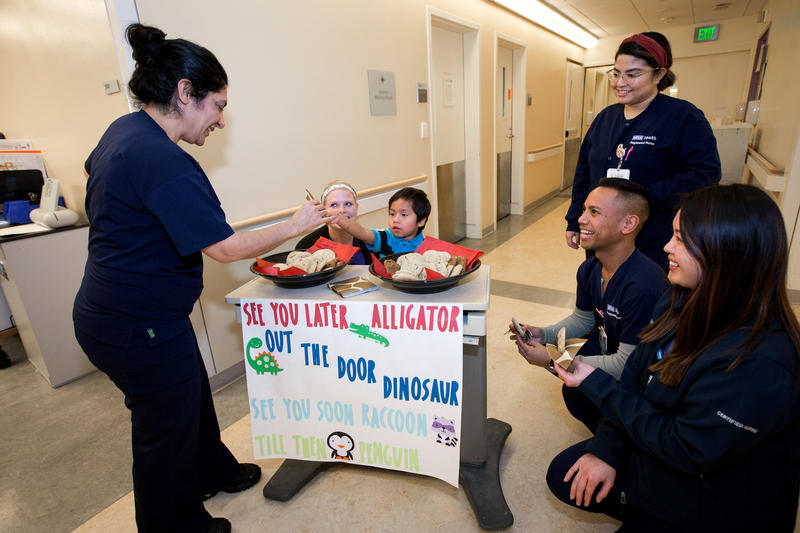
(735, 35)
(714, 83)
(777, 134)
(298, 112)
(55, 57)
(712, 75)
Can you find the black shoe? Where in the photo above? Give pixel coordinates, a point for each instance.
(218, 525)
(5, 362)
(248, 475)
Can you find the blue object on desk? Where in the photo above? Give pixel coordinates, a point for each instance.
(19, 211)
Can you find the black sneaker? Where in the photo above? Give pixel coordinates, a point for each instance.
(218, 525)
(5, 362)
(248, 475)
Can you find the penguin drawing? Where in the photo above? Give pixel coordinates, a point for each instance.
(342, 444)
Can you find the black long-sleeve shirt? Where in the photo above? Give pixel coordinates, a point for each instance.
(720, 451)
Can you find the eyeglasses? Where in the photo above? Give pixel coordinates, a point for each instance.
(615, 75)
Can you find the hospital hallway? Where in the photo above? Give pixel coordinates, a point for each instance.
(65, 453)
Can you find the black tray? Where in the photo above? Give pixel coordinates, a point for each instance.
(425, 285)
(295, 282)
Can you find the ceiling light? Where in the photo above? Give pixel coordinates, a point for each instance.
(720, 6)
(542, 15)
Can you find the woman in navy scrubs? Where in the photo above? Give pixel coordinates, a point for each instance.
(152, 214)
(702, 432)
(664, 143)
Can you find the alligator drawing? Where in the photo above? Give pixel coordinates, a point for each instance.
(263, 362)
(362, 330)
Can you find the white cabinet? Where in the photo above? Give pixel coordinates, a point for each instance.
(40, 276)
(732, 142)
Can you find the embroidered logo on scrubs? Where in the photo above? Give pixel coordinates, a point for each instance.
(613, 312)
(263, 362)
(644, 139)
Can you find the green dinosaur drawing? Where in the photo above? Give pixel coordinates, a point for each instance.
(263, 362)
(362, 330)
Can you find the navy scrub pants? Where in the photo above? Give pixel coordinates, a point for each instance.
(177, 452)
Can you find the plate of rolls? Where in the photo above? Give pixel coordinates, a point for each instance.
(431, 271)
(298, 269)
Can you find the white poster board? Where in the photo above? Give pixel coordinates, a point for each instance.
(368, 383)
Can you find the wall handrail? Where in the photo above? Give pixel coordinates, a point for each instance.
(544, 148)
(544, 152)
(765, 174)
(283, 213)
(766, 163)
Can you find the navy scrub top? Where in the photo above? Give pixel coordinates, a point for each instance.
(151, 211)
(627, 304)
(670, 149)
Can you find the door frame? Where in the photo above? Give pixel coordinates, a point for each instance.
(519, 58)
(121, 13)
(566, 108)
(472, 161)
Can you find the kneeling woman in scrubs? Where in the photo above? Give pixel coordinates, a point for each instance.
(702, 432)
(340, 200)
(153, 214)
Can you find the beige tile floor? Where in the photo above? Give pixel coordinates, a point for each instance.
(538, 255)
(362, 499)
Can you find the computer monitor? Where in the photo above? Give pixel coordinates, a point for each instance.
(20, 185)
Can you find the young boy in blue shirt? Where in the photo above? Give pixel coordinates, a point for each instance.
(409, 209)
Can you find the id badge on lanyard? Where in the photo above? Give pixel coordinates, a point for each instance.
(620, 172)
(603, 338)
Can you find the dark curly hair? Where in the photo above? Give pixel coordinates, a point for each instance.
(162, 62)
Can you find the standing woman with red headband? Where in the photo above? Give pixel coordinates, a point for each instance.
(663, 143)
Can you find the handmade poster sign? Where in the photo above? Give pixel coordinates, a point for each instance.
(368, 383)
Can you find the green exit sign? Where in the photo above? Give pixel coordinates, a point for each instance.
(706, 33)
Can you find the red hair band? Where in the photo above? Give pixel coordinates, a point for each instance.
(652, 46)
